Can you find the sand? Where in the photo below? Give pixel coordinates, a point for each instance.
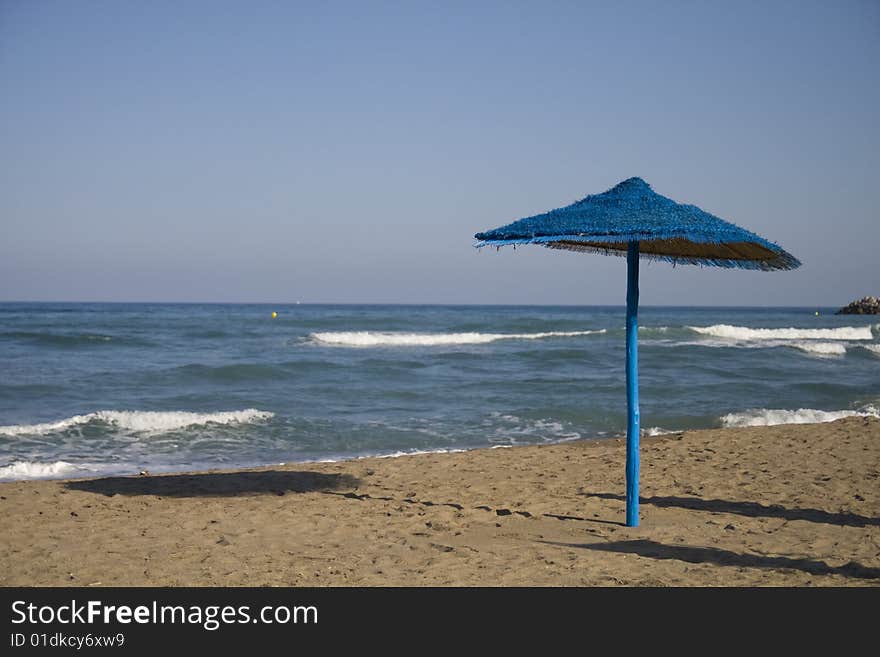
(791, 505)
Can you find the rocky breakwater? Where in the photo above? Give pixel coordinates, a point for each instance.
(864, 306)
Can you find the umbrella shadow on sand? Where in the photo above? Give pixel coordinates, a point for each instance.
(718, 556)
(217, 484)
(751, 510)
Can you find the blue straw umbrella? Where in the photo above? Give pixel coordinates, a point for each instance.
(632, 220)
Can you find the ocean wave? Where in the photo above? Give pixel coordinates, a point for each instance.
(34, 470)
(873, 348)
(820, 348)
(746, 333)
(57, 339)
(140, 421)
(764, 417)
(414, 452)
(237, 372)
(73, 340)
(657, 431)
(388, 339)
(392, 455)
(512, 428)
(809, 347)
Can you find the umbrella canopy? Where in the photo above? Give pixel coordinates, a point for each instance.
(666, 230)
(632, 220)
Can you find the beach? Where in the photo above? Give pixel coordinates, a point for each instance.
(786, 505)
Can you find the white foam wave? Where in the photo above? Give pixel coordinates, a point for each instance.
(658, 329)
(764, 417)
(387, 455)
(820, 348)
(414, 452)
(658, 431)
(813, 348)
(34, 470)
(389, 339)
(141, 421)
(516, 428)
(745, 333)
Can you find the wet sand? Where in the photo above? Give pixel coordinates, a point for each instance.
(794, 505)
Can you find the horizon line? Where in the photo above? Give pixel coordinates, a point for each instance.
(404, 303)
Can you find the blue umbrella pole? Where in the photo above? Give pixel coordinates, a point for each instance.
(632, 385)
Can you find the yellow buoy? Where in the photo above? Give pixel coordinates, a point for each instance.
(817, 313)
(274, 314)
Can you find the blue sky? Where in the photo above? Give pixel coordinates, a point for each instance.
(347, 152)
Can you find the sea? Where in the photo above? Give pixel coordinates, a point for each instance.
(91, 389)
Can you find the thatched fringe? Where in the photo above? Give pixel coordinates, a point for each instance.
(666, 230)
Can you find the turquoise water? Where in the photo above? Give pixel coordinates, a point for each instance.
(101, 388)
